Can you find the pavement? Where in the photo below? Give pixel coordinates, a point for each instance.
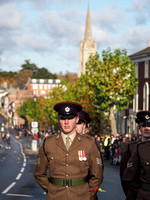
(29, 145)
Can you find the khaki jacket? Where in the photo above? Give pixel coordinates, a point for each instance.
(66, 164)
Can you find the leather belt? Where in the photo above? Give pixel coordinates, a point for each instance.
(145, 186)
(68, 182)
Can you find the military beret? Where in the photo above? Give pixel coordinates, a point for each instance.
(143, 118)
(84, 117)
(67, 110)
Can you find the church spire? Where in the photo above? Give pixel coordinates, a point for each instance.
(88, 47)
(88, 30)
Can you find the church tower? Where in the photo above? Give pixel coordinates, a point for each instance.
(88, 47)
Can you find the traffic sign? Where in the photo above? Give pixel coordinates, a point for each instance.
(34, 124)
(34, 130)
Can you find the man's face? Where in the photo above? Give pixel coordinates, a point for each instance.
(80, 128)
(68, 125)
(145, 132)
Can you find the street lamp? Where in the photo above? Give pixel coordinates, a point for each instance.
(35, 107)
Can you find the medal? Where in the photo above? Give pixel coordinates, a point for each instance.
(82, 155)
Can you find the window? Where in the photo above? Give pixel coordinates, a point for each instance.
(35, 86)
(50, 80)
(146, 71)
(135, 103)
(146, 97)
(45, 86)
(41, 80)
(33, 80)
(57, 80)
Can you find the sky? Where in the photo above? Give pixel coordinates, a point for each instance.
(49, 32)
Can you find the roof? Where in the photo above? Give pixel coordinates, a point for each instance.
(145, 52)
(45, 81)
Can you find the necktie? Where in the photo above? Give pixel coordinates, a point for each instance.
(67, 142)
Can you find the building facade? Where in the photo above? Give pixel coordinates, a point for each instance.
(141, 101)
(41, 87)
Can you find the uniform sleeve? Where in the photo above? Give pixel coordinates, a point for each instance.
(96, 171)
(131, 173)
(123, 164)
(40, 171)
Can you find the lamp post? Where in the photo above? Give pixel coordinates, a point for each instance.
(35, 108)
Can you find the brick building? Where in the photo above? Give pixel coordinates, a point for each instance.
(18, 94)
(141, 101)
(41, 87)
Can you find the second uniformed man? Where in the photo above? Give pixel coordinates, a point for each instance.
(69, 157)
(136, 176)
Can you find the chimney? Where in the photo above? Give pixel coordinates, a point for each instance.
(149, 43)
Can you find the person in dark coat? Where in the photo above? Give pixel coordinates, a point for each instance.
(69, 164)
(136, 175)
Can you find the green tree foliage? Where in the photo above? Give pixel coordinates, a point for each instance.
(26, 110)
(29, 66)
(109, 82)
(7, 74)
(60, 93)
(43, 73)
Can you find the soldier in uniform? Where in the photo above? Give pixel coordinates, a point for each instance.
(130, 194)
(69, 165)
(83, 122)
(82, 128)
(136, 175)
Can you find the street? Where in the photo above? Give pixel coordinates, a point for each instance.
(18, 183)
(111, 186)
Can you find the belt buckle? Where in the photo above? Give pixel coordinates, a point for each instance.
(67, 183)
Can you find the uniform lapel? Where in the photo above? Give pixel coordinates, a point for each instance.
(60, 142)
(76, 142)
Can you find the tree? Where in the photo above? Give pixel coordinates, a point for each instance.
(26, 110)
(110, 82)
(70, 77)
(43, 73)
(22, 76)
(29, 66)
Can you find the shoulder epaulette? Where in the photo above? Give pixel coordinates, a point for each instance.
(88, 136)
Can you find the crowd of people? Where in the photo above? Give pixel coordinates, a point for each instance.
(112, 147)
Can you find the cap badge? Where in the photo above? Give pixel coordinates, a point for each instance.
(67, 109)
(147, 117)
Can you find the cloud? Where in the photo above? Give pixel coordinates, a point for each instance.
(12, 18)
(108, 18)
(141, 6)
(62, 27)
(141, 11)
(10, 26)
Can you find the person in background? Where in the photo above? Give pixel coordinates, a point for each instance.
(107, 144)
(83, 122)
(134, 165)
(8, 141)
(70, 157)
(82, 128)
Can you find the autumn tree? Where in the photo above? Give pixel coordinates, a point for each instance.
(68, 76)
(22, 76)
(110, 82)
